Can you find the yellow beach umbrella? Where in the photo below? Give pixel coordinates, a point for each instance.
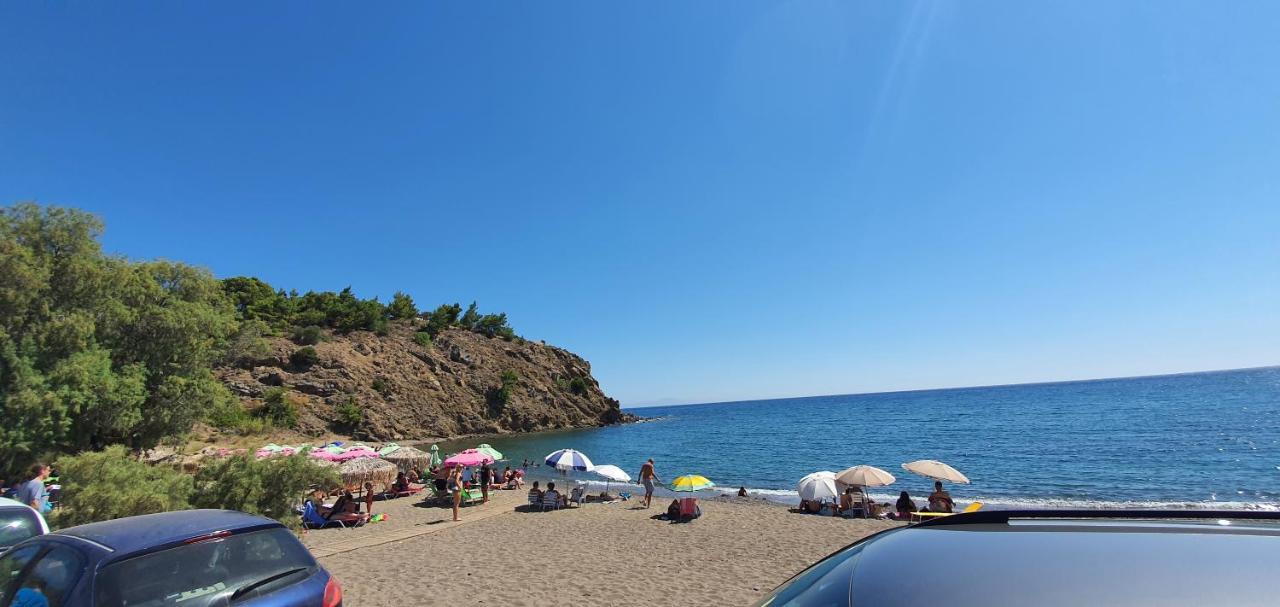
(691, 482)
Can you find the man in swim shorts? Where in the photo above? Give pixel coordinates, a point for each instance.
(647, 478)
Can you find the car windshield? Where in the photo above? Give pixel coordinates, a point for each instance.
(209, 572)
(17, 524)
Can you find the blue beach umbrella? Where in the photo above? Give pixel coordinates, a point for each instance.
(568, 459)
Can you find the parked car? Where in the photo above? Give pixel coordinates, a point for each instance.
(1069, 558)
(192, 558)
(18, 522)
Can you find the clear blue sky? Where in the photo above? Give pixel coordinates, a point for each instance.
(708, 200)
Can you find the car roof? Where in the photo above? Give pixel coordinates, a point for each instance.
(136, 533)
(997, 560)
(11, 503)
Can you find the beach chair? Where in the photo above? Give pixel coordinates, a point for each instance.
(551, 500)
(472, 497)
(578, 495)
(974, 507)
(535, 499)
(689, 508)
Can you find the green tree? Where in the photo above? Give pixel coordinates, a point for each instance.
(422, 338)
(401, 307)
(470, 318)
(442, 318)
(94, 348)
(279, 409)
(103, 485)
(349, 413)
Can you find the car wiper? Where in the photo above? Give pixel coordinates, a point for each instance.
(247, 588)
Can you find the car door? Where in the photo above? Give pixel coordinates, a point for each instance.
(42, 574)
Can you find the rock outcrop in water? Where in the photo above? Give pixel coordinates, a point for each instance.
(463, 383)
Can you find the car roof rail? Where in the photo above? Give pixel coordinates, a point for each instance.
(996, 517)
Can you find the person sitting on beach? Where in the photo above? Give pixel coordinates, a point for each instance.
(402, 483)
(940, 500)
(742, 491)
(535, 494)
(673, 511)
(517, 478)
(811, 506)
(904, 507)
(555, 496)
(846, 502)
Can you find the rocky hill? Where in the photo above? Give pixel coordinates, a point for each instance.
(393, 388)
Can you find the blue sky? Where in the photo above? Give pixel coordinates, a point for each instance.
(709, 201)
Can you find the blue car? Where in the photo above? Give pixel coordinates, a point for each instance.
(192, 558)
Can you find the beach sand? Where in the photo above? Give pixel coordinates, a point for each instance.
(597, 554)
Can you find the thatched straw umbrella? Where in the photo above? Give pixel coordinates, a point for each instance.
(407, 458)
(357, 472)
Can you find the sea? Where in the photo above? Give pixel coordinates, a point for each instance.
(1195, 440)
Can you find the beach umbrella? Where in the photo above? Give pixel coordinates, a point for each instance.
(865, 476)
(361, 470)
(490, 451)
(568, 459)
(435, 456)
(356, 452)
(818, 487)
(470, 457)
(611, 472)
(691, 482)
(936, 470)
(388, 449)
(406, 458)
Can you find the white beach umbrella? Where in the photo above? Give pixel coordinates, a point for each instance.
(611, 472)
(936, 470)
(819, 486)
(866, 476)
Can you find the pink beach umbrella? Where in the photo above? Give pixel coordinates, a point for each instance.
(470, 457)
(356, 453)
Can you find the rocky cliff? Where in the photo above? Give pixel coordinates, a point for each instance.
(398, 389)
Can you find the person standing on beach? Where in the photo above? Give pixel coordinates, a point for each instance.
(647, 478)
(486, 477)
(455, 487)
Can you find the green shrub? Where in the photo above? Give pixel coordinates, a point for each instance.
(304, 357)
(579, 385)
(349, 413)
(379, 385)
(401, 307)
(422, 338)
(102, 485)
(268, 487)
(510, 380)
(308, 336)
(279, 409)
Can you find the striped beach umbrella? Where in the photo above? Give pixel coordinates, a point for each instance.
(568, 459)
(691, 482)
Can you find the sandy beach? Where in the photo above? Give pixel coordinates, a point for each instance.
(597, 554)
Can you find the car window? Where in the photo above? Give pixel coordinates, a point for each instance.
(49, 582)
(17, 524)
(208, 572)
(11, 566)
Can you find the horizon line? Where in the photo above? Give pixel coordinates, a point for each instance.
(944, 388)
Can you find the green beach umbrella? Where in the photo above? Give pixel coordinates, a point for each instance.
(490, 451)
(435, 456)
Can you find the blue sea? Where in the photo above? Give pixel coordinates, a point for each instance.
(1176, 441)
